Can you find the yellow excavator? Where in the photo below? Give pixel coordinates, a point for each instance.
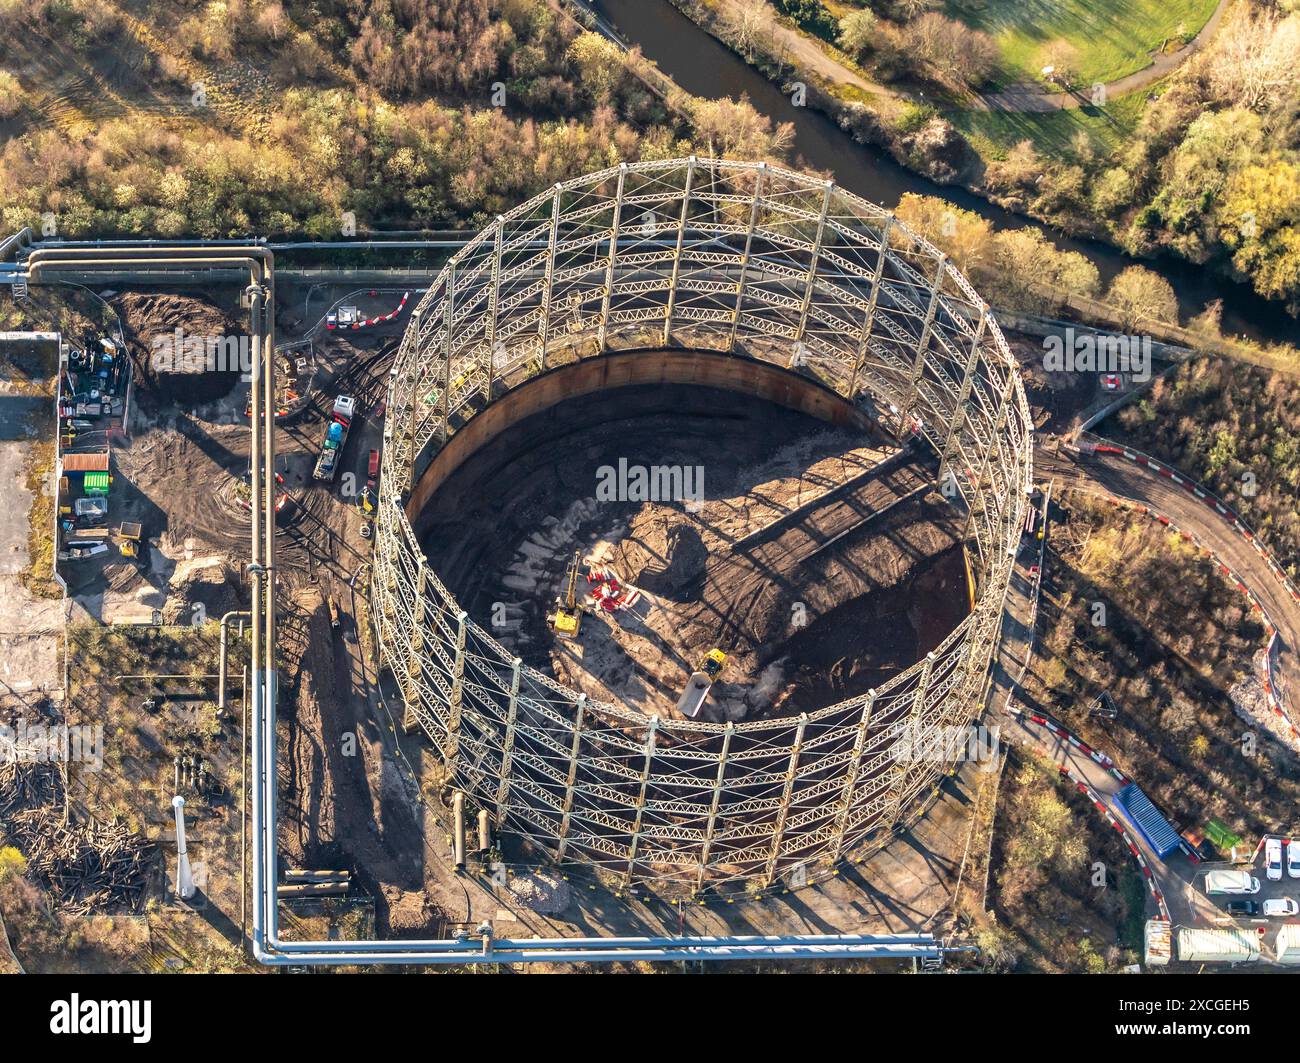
(567, 617)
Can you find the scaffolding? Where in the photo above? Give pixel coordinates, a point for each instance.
(759, 263)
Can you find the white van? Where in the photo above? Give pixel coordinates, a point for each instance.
(1230, 882)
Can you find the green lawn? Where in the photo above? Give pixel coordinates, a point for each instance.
(1103, 39)
(991, 133)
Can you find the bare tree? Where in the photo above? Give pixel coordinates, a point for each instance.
(1256, 61)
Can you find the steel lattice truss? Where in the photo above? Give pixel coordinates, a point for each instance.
(761, 263)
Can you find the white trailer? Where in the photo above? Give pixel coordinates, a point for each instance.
(1288, 945)
(1217, 944)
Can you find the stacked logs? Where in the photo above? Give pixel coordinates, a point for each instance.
(94, 866)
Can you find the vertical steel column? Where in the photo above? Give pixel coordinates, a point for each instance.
(712, 823)
(783, 814)
(603, 330)
(922, 346)
(567, 808)
(417, 646)
(256, 293)
(901, 767)
(651, 734)
(869, 322)
(812, 263)
(549, 283)
(448, 311)
(457, 694)
(851, 779)
(494, 300)
(417, 321)
(508, 748)
(677, 253)
(963, 395)
(755, 206)
(1007, 391)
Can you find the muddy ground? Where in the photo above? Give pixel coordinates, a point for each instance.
(816, 558)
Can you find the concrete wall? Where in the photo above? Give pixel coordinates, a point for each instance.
(624, 369)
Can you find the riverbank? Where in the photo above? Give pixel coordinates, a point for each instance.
(919, 139)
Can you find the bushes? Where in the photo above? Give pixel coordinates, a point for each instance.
(809, 15)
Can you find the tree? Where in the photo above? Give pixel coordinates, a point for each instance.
(963, 235)
(746, 19)
(956, 54)
(1256, 61)
(600, 65)
(1139, 294)
(1261, 223)
(1063, 58)
(857, 32)
(733, 129)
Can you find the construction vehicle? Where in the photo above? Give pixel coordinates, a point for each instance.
(336, 435)
(700, 682)
(128, 538)
(566, 620)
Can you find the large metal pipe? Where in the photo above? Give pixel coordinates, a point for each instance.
(184, 878)
(458, 830)
(221, 670)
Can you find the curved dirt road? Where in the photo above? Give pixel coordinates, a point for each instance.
(1122, 479)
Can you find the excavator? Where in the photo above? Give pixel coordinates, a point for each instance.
(567, 617)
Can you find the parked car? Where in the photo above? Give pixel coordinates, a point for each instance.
(1281, 907)
(1242, 907)
(1230, 881)
(1273, 859)
(1293, 857)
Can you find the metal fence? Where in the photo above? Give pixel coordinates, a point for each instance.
(760, 263)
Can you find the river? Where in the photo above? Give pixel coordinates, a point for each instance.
(703, 66)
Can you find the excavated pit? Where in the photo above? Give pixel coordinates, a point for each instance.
(816, 557)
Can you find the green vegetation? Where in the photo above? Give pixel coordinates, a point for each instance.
(1078, 134)
(1177, 638)
(399, 114)
(1095, 40)
(1053, 914)
(810, 15)
(1236, 428)
(1209, 170)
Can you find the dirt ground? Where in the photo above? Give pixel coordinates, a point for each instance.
(31, 625)
(794, 513)
(816, 559)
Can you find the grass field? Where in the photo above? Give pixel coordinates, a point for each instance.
(1103, 39)
(991, 133)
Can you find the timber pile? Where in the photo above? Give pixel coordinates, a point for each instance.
(87, 867)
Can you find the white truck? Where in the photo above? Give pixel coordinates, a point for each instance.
(1230, 883)
(336, 435)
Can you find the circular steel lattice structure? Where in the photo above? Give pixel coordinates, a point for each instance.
(762, 264)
